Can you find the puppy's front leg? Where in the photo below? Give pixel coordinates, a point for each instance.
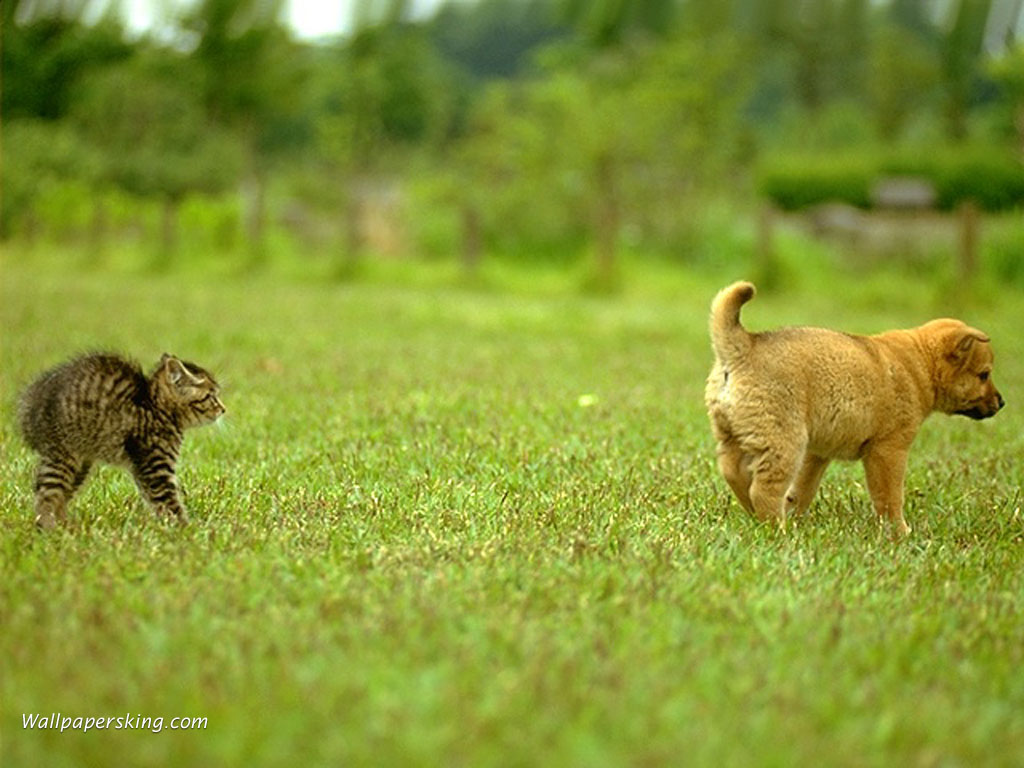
(735, 468)
(773, 474)
(885, 467)
(806, 484)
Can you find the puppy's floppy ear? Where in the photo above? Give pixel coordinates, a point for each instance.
(962, 342)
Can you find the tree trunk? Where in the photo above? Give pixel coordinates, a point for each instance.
(608, 214)
(358, 186)
(470, 238)
(256, 216)
(956, 112)
(354, 240)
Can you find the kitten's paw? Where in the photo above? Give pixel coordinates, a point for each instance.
(45, 522)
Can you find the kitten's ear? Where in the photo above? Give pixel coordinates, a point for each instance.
(175, 370)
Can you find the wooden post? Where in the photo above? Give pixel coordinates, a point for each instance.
(471, 237)
(607, 219)
(354, 220)
(970, 235)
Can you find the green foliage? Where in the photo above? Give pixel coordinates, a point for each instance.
(795, 183)
(904, 75)
(37, 155)
(495, 38)
(1008, 72)
(242, 55)
(1004, 251)
(152, 135)
(613, 140)
(606, 23)
(993, 179)
(960, 61)
(446, 527)
(561, 128)
(44, 57)
(213, 224)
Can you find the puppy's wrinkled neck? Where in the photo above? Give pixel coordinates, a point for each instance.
(911, 352)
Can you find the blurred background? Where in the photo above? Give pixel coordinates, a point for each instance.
(323, 137)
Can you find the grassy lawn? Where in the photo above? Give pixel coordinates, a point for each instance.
(445, 525)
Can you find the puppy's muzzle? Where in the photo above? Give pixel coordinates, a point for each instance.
(985, 410)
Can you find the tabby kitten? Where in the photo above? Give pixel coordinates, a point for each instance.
(102, 408)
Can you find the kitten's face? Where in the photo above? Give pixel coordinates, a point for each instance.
(193, 390)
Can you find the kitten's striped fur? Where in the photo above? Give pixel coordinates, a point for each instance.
(102, 408)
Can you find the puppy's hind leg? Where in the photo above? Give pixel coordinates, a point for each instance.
(735, 468)
(773, 475)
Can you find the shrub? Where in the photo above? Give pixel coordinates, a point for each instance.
(992, 178)
(995, 182)
(794, 183)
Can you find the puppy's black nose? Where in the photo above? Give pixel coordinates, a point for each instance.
(1001, 401)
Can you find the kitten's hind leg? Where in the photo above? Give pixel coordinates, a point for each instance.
(57, 479)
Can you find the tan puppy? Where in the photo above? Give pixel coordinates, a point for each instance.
(785, 403)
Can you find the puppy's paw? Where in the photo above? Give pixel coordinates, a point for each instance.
(900, 530)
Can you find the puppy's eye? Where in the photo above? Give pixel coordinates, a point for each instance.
(983, 375)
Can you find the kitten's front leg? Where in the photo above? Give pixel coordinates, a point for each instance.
(162, 494)
(153, 469)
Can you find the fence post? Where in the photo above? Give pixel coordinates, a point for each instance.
(471, 238)
(970, 235)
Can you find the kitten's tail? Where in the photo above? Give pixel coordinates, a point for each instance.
(729, 339)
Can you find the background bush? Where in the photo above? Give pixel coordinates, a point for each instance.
(992, 178)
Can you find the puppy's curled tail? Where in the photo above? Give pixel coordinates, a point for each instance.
(729, 339)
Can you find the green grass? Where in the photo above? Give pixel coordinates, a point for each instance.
(413, 545)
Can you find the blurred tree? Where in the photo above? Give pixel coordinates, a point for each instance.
(36, 153)
(806, 55)
(853, 50)
(913, 15)
(569, 119)
(153, 138)
(495, 38)
(1008, 71)
(961, 49)
(367, 14)
(904, 76)
(46, 49)
(610, 22)
(252, 81)
(598, 138)
(383, 94)
(829, 42)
